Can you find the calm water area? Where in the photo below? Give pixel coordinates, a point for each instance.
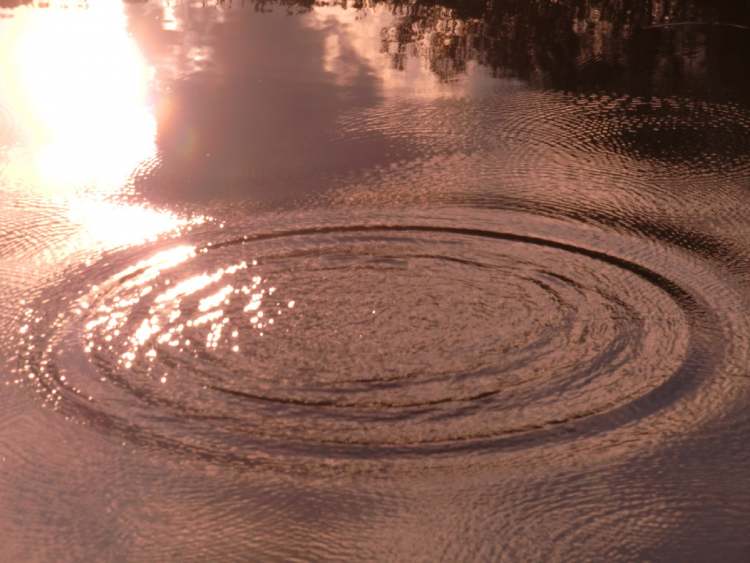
(390, 280)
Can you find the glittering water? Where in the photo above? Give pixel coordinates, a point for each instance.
(382, 282)
(395, 339)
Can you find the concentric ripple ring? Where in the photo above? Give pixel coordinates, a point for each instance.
(375, 339)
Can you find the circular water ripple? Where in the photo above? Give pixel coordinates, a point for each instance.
(371, 339)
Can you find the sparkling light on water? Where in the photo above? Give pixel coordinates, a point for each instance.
(79, 90)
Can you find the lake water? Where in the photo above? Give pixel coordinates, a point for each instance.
(377, 281)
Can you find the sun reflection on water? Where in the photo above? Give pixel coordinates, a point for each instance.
(79, 89)
(110, 224)
(212, 311)
(81, 94)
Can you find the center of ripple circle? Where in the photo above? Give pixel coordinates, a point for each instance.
(376, 337)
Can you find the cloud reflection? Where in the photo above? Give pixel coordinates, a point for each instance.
(370, 34)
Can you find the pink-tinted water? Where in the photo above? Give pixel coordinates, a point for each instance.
(293, 281)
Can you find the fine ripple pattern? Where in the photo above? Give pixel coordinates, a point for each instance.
(373, 339)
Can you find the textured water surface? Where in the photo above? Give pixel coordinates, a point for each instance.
(374, 282)
(382, 339)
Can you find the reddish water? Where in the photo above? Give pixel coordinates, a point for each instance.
(374, 282)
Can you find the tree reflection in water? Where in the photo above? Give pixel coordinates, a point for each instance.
(641, 46)
(644, 46)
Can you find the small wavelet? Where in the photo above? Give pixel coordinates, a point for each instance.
(379, 338)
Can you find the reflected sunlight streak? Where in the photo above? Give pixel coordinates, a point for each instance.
(81, 94)
(116, 225)
(79, 89)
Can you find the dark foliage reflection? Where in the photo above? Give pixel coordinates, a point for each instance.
(641, 46)
(644, 47)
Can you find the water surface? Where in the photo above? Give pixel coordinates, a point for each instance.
(381, 281)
